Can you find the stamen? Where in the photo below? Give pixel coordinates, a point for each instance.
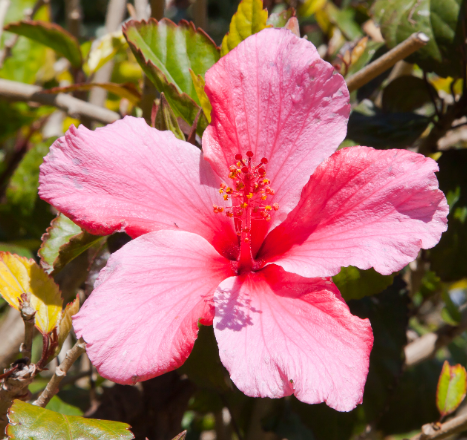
(247, 195)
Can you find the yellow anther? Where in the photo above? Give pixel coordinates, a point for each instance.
(268, 208)
(264, 197)
(226, 197)
(228, 190)
(244, 205)
(266, 181)
(220, 209)
(249, 196)
(233, 175)
(221, 191)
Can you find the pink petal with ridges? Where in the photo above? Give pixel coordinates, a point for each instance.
(142, 318)
(130, 177)
(275, 96)
(365, 208)
(281, 334)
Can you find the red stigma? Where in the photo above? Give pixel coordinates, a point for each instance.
(249, 154)
(264, 160)
(238, 157)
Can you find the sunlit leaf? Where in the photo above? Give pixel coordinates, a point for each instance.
(452, 386)
(199, 83)
(249, 19)
(309, 7)
(125, 90)
(59, 406)
(344, 19)
(20, 275)
(62, 242)
(355, 283)
(51, 35)
(440, 20)
(103, 50)
(167, 52)
(30, 422)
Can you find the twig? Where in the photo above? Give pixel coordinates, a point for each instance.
(28, 315)
(115, 14)
(60, 372)
(17, 91)
(438, 432)
(200, 13)
(427, 345)
(142, 9)
(157, 9)
(401, 51)
(74, 16)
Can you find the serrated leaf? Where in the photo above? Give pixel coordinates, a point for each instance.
(30, 422)
(249, 19)
(167, 52)
(103, 50)
(280, 19)
(166, 119)
(125, 90)
(354, 283)
(452, 386)
(51, 35)
(406, 94)
(440, 20)
(63, 242)
(199, 83)
(20, 275)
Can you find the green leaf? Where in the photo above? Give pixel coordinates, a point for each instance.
(21, 192)
(103, 50)
(15, 249)
(389, 314)
(449, 258)
(452, 386)
(51, 35)
(59, 406)
(63, 242)
(166, 120)
(406, 94)
(344, 19)
(167, 52)
(451, 313)
(19, 275)
(440, 20)
(372, 51)
(386, 130)
(199, 83)
(280, 19)
(249, 19)
(29, 422)
(354, 283)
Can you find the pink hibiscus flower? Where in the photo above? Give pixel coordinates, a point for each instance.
(257, 265)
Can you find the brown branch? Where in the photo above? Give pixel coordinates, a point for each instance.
(74, 16)
(142, 9)
(17, 91)
(60, 372)
(427, 345)
(28, 315)
(157, 9)
(438, 432)
(401, 51)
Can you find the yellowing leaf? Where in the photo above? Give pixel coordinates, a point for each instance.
(21, 275)
(249, 19)
(310, 7)
(199, 83)
(103, 49)
(452, 386)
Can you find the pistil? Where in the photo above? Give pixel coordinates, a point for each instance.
(248, 194)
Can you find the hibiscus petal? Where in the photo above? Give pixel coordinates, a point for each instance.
(130, 177)
(364, 208)
(275, 96)
(142, 318)
(281, 334)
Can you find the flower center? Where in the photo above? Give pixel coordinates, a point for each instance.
(248, 195)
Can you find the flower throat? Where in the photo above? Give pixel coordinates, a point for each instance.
(248, 194)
